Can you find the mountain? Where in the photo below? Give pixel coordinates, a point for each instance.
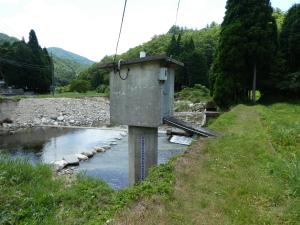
(61, 53)
(66, 70)
(67, 65)
(6, 38)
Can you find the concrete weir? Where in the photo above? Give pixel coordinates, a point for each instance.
(141, 95)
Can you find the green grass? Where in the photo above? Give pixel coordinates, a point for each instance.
(32, 195)
(56, 95)
(73, 95)
(248, 175)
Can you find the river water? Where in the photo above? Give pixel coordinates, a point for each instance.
(44, 145)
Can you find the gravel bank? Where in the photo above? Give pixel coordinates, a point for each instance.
(90, 112)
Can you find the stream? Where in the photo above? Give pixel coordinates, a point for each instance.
(45, 145)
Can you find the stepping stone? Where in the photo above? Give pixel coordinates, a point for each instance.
(59, 165)
(123, 134)
(106, 147)
(71, 160)
(88, 153)
(81, 156)
(119, 137)
(113, 143)
(99, 149)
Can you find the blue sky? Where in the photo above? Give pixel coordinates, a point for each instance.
(90, 27)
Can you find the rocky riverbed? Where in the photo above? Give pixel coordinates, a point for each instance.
(86, 112)
(75, 112)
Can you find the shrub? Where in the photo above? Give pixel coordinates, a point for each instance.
(63, 89)
(196, 94)
(81, 86)
(102, 89)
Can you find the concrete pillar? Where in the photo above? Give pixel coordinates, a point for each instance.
(142, 149)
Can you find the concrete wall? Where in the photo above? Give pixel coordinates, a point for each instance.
(7, 109)
(141, 99)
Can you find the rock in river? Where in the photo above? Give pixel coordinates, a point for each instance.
(59, 165)
(72, 160)
(81, 156)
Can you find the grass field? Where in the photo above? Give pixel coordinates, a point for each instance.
(248, 175)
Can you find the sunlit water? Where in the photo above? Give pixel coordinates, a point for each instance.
(50, 144)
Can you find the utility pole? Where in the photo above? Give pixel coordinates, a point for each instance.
(52, 75)
(254, 84)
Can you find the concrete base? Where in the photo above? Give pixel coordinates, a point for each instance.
(142, 149)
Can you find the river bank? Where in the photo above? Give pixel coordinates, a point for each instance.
(33, 112)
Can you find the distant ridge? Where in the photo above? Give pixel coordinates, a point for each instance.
(61, 53)
(6, 38)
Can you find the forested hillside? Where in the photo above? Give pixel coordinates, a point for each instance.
(64, 54)
(67, 65)
(26, 65)
(195, 48)
(5, 38)
(66, 70)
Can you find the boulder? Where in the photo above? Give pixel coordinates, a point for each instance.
(81, 156)
(123, 134)
(59, 165)
(60, 118)
(99, 149)
(106, 147)
(71, 160)
(88, 153)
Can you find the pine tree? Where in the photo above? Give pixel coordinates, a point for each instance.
(247, 42)
(287, 67)
(290, 38)
(33, 41)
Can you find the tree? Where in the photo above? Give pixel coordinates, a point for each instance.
(246, 45)
(287, 67)
(33, 41)
(27, 65)
(279, 16)
(174, 47)
(81, 86)
(290, 38)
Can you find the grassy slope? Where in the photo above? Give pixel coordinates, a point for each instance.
(250, 175)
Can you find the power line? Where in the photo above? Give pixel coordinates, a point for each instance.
(23, 65)
(177, 12)
(124, 9)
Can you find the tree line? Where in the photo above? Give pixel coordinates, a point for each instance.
(26, 65)
(195, 48)
(254, 54)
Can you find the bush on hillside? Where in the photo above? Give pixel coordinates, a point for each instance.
(81, 86)
(63, 89)
(196, 94)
